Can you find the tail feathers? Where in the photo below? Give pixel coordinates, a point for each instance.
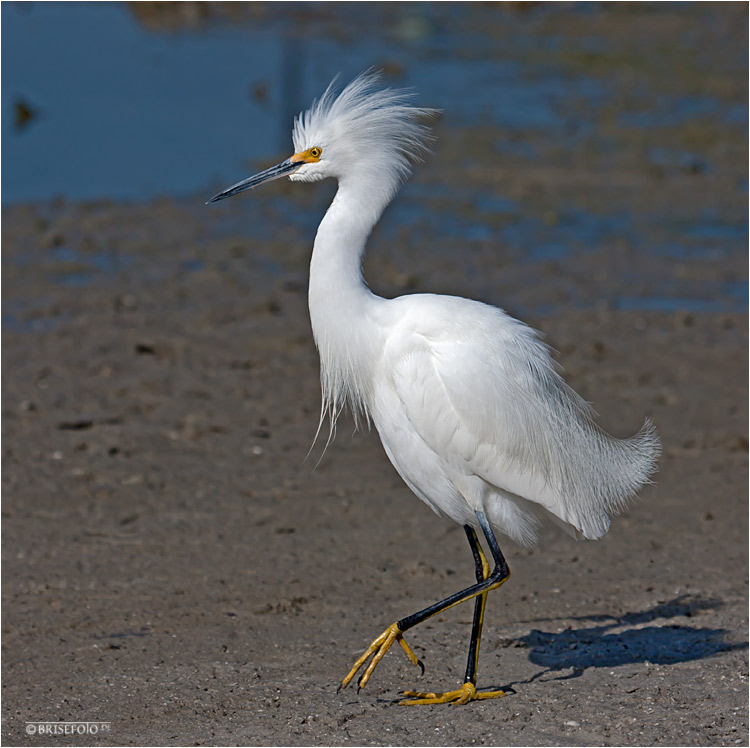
(606, 477)
(627, 466)
(638, 461)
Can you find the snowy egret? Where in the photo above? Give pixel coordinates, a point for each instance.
(467, 400)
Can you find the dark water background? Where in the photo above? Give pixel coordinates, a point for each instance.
(131, 102)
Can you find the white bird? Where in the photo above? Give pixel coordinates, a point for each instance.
(467, 401)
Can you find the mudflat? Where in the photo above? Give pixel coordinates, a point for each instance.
(176, 565)
(172, 564)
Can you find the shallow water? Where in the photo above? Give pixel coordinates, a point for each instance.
(124, 112)
(101, 101)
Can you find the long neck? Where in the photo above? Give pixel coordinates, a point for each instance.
(336, 267)
(340, 303)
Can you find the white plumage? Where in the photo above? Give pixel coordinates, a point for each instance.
(474, 416)
(467, 400)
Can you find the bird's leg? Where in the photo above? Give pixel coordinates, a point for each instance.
(395, 631)
(468, 692)
(482, 568)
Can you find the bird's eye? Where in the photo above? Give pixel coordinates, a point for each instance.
(315, 152)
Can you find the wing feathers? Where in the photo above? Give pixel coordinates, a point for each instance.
(492, 404)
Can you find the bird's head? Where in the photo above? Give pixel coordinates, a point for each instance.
(361, 131)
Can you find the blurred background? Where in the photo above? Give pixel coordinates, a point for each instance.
(567, 129)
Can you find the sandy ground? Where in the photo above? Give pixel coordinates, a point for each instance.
(170, 566)
(173, 566)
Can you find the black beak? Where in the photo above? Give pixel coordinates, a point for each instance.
(280, 170)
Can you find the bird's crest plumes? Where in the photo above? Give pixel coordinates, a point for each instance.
(363, 122)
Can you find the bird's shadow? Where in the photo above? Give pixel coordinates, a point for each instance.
(577, 649)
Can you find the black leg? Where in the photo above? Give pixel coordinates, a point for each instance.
(482, 569)
(486, 581)
(499, 574)
(497, 554)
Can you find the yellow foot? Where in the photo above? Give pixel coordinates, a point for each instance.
(377, 650)
(464, 695)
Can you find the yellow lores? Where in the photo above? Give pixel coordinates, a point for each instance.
(310, 156)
